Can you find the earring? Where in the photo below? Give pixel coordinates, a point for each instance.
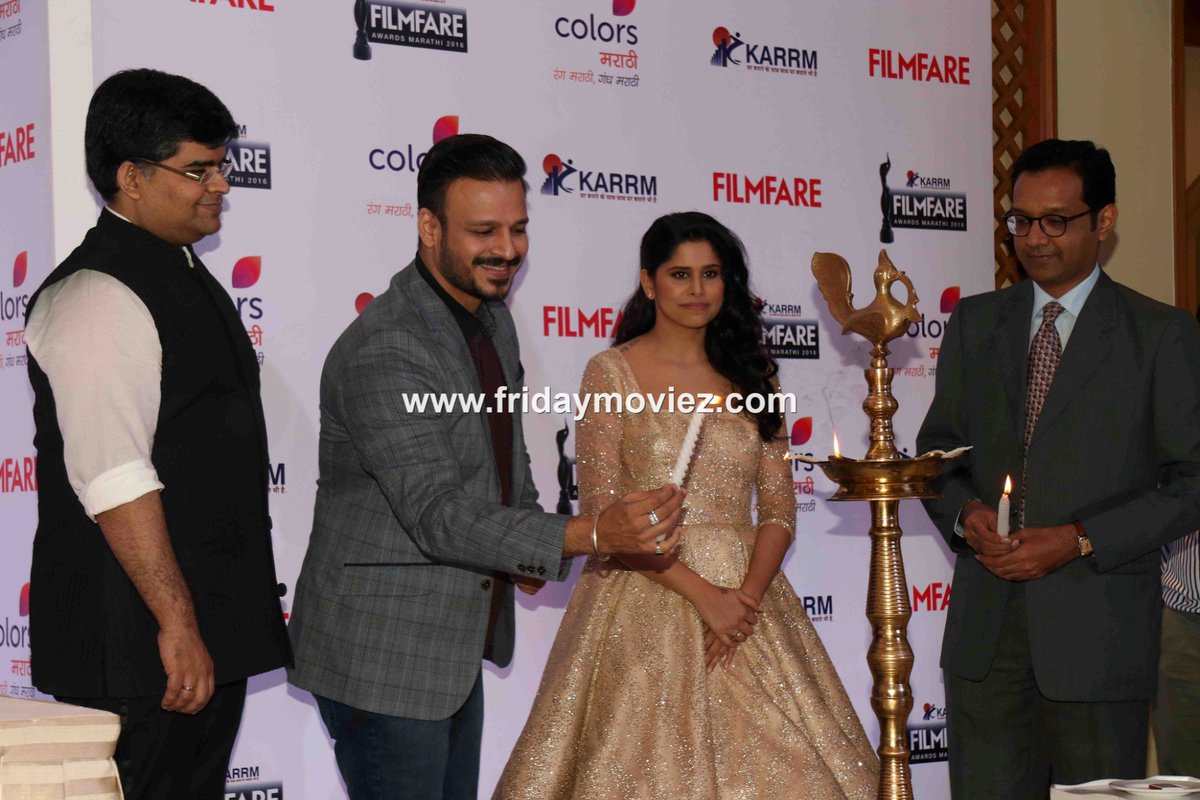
(650, 295)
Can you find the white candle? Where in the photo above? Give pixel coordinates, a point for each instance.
(689, 447)
(1002, 512)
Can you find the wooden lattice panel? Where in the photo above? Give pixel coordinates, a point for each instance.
(1023, 103)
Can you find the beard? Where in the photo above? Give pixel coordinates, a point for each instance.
(463, 277)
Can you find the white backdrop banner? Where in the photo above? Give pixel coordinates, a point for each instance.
(26, 255)
(802, 126)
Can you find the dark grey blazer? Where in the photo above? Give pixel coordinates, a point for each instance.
(392, 601)
(1117, 446)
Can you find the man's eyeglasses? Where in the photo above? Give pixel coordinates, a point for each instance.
(200, 176)
(1053, 225)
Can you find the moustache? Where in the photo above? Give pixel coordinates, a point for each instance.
(496, 261)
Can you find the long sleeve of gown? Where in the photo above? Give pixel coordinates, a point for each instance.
(776, 495)
(598, 440)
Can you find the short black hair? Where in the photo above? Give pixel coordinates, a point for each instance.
(1092, 164)
(467, 155)
(144, 113)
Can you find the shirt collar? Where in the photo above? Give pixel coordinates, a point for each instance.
(1072, 302)
(186, 252)
(117, 214)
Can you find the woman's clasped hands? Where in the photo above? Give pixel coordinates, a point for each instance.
(729, 617)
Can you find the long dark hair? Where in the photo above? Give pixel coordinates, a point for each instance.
(733, 340)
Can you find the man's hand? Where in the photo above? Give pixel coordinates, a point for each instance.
(979, 529)
(626, 526)
(189, 669)
(1040, 552)
(136, 533)
(530, 586)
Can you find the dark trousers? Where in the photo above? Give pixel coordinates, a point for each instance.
(164, 755)
(1177, 717)
(1010, 742)
(382, 757)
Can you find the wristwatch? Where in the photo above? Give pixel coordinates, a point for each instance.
(1085, 544)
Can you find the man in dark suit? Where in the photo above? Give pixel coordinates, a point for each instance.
(1087, 394)
(153, 591)
(423, 515)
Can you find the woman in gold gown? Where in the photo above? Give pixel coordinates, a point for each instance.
(696, 674)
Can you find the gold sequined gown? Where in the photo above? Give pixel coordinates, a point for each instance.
(626, 708)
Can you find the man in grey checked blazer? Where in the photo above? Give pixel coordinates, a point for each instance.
(422, 517)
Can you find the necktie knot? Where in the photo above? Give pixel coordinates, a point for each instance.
(1050, 311)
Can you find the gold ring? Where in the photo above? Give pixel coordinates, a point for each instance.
(189, 688)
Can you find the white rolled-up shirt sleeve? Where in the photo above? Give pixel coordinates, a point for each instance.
(98, 345)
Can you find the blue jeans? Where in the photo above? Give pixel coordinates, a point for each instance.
(382, 757)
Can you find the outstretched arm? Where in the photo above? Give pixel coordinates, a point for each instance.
(412, 453)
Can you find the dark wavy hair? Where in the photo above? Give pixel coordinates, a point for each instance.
(733, 340)
(144, 113)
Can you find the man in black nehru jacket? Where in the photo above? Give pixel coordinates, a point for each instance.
(153, 591)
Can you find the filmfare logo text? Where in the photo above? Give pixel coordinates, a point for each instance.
(416, 25)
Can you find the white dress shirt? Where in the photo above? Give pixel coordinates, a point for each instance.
(1072, 303)
(99, 347)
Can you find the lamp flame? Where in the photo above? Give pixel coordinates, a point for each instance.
(1008, 484)
(837, 451)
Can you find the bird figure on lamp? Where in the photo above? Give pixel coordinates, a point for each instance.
(881, 320)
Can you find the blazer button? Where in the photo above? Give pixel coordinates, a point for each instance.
(541, 570)
(522, 567)
(486, 583)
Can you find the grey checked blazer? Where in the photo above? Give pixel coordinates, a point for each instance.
(392, 602)
(1117, 446)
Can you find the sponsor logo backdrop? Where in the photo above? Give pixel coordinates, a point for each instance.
(774, 118)
(26, 248)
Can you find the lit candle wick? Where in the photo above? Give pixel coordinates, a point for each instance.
(837, 451)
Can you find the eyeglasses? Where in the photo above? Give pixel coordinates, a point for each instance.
(1053, 225)
(202, 177)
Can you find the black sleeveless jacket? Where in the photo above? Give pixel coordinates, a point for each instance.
(91, 635)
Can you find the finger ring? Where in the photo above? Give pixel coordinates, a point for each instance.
(189, 688)
(658, 551)
(654, 520)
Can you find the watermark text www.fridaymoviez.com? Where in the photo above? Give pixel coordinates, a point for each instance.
(545, 401)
